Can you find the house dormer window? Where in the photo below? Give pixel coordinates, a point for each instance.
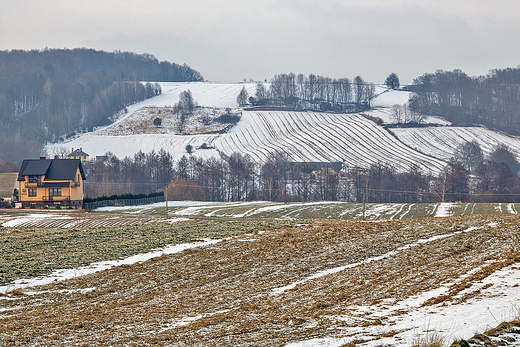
(33, 179)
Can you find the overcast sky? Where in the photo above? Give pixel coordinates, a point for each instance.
(232, 40)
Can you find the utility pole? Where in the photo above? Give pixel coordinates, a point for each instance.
(365, 191)
(365, 194)
(166, 198)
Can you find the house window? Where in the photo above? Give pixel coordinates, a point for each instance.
(33, 179)
(32, 192)
(55, 192)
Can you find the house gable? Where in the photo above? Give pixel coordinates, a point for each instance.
(78, 154)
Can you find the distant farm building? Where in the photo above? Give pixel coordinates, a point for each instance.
(315, 166)
(78, 154)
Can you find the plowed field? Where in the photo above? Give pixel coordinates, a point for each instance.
(271, 285)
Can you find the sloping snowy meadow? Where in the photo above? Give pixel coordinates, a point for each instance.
(305, 136)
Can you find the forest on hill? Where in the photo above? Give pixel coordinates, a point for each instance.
(492, 100)
(50, 94)
(313, 92)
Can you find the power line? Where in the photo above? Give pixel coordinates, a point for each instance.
(196, 185)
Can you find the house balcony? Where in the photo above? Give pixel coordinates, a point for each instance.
(55, 198)
(33, 184)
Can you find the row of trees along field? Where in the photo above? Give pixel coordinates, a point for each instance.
(238, 178)
(50, 94)
(492, 100)
(312, 93)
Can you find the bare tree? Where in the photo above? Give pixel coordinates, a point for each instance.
(502, 153)
(186, 103)
(242, 97)
(260, 92)
(60, 152)
(397, 113)
(441, 184)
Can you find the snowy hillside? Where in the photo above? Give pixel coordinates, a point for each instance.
(322, 137)
(441, 142)
(305, 136)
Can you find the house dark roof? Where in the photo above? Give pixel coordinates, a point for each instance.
(34, 167)
(53, 169)
(77, 153)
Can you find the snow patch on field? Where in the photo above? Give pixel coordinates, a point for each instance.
(154, 205)
(64, 274)
(444, 209)
(497, 302)
(188, 320)
(319, 274)
(32, 217)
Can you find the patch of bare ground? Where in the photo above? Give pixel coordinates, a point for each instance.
(222, 294)
(201, 121)
(505, 334)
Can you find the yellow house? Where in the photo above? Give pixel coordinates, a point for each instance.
(78, 154)
(51, 183)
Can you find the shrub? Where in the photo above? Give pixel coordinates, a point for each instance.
(431, 339)
(228, 118)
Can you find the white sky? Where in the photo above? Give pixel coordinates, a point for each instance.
(230, 40)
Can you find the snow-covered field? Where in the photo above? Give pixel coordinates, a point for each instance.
(321, 137)
(306, 136)
(441, 142)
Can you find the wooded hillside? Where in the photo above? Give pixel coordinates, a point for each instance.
(50, 94)
(492, 100)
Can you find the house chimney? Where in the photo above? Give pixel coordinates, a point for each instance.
(81, 149)
(72, 150)
(55, 157)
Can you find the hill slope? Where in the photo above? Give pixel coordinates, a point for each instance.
(304, 136)
(50, 94)
(441, 142)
